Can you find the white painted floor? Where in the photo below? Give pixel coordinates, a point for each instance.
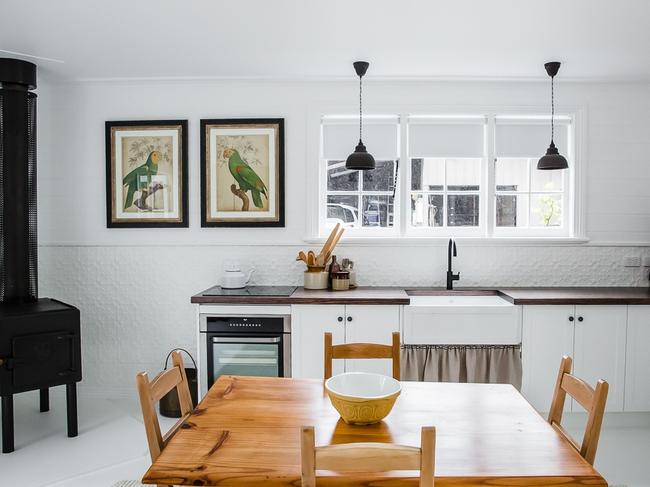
(111, 445)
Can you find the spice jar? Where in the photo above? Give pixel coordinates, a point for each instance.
(340, 281)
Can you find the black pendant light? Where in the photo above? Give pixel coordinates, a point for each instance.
(360, 159)
(553, 159)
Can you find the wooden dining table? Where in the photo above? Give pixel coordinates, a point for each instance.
(246, 432)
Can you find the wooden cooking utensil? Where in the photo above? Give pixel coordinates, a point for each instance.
(311, 258)
(303, 257)
(328, 243)
(333, 245)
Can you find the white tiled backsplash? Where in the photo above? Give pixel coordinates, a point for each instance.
(134, 300)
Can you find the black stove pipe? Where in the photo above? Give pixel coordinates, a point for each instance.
(18, 232)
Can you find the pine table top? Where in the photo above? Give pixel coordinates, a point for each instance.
(246, 432)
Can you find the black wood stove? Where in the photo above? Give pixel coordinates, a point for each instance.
(40, 343)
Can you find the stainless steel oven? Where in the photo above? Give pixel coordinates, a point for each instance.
(244, 345)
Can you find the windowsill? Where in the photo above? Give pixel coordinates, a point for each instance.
(392, 241)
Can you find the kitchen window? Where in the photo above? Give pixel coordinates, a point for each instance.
(363, 201)
(446, 175)
(464, 175)
(529, 201)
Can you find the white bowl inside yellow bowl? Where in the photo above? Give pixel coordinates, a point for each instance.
(362, 398)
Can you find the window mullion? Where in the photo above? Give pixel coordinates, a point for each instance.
(404, 177)
(445, 199)
(490, 178)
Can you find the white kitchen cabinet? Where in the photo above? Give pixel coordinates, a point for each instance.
(637, 380)
(593, 335)
(547, 336)
(599, 349)
(348, 324)
(371, 324)
(308, 324)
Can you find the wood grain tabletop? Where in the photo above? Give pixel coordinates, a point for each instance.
(246, 432)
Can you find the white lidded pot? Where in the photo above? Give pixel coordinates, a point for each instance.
(233, 277)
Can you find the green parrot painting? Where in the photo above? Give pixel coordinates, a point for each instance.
(246, 177)
(140, 177)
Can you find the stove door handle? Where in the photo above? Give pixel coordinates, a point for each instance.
(246, 340)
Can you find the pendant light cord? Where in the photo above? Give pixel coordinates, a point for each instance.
(360, 108)
(552, 109)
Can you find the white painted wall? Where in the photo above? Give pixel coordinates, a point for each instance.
(133, 285)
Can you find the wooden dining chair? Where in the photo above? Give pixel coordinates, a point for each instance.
(151, 392)
(367, 457)
(362, 351)
(593, 401)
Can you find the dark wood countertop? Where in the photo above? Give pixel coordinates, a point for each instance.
(399, 295)
(549, 295)
(577, 295)
(360, 295)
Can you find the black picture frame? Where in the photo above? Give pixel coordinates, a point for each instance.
(277, 221)
(182, 221)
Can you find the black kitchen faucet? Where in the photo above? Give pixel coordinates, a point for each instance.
(451, 277)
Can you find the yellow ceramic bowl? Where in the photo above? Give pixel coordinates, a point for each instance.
(362, 398)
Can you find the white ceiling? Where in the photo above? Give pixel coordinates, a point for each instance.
(595, 39)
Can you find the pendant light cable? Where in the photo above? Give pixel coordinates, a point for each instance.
(552, 109)
(360, 108)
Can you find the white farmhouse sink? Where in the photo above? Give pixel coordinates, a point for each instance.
(461, 320)
(461, 301)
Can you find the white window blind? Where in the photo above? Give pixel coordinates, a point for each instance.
(440, 137)
(529, 138)
(341, 136)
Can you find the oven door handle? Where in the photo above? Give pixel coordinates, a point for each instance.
(246, 340)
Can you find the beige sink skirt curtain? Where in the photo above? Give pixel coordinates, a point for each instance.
(494, 364)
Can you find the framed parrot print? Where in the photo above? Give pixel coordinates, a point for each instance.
(242, 172)
(146, 174)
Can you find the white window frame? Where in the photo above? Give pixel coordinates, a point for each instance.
(446, 231)
(567, 229)
(575, 182)
(323, 192)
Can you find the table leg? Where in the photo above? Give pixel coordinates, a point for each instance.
(45, 400)
(71, 400)
(7, 424)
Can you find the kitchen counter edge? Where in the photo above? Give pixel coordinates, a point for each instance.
(400, 296)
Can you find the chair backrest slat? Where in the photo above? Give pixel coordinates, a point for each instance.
(164, 382)
(362, 351)
(579, 390)
(367, 457)
(150, 392)
(593, 400)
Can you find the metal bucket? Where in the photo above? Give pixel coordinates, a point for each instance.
(169, 405)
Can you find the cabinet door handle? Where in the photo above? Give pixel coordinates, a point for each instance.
(349, 318)
(570, 318)
(340, 318)
(580, 318)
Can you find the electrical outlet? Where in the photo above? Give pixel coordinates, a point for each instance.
(632, 261)
(646, 261)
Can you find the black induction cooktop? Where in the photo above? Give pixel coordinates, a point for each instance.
(251, 291)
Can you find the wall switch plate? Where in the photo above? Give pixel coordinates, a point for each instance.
(632, 261)
(646, 261)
